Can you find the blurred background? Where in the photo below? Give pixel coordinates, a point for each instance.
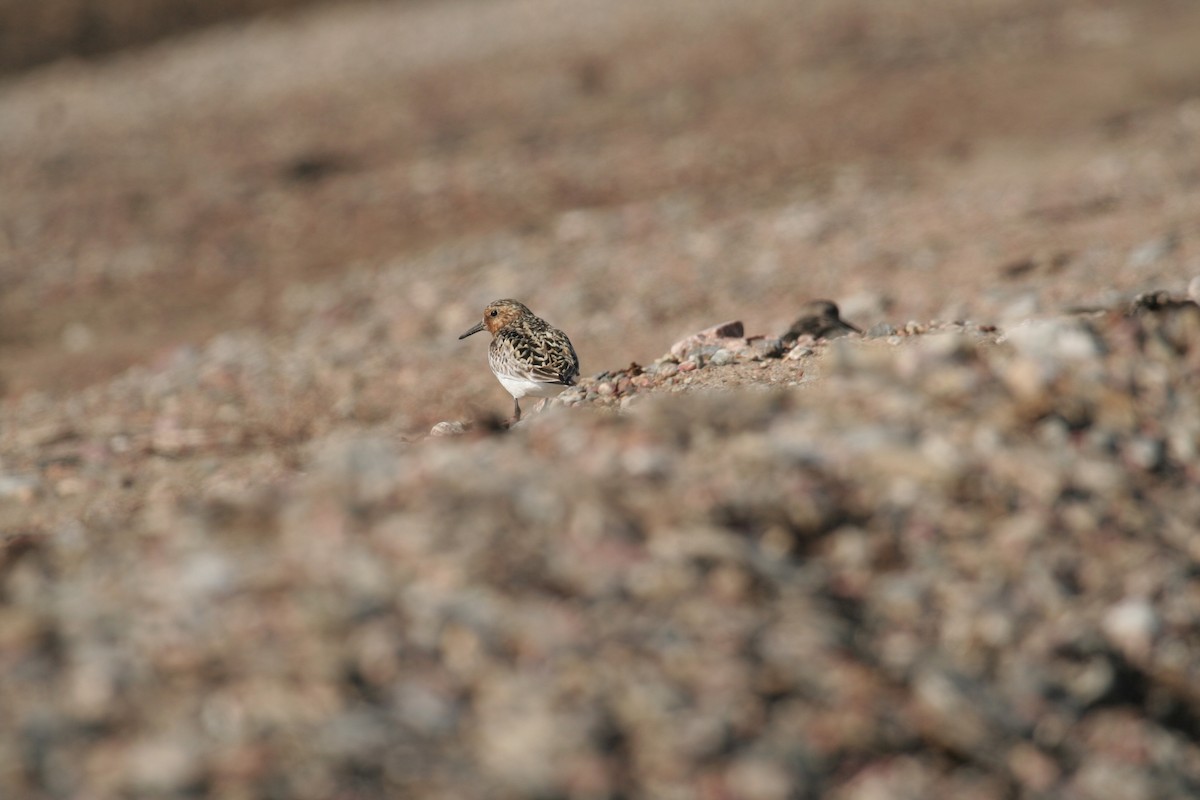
(238, 242)
(38, 33)
(633, 171)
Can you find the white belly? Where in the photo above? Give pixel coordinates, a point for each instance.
(522, 387)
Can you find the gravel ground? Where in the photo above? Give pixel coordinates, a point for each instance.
(265, 534)
(958, 562)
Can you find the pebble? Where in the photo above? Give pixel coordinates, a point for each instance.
(162, 766)
(798, 353)
(447, 428)
(1035, 770)
(1131, 626)
(1146, 453)
(22, 488)
(759, 779)
(881, 330)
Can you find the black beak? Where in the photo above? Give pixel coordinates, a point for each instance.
(476, 329)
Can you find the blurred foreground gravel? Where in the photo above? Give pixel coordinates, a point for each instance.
(947, 564)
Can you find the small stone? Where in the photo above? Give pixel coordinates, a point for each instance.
(1159, 300)
(759, 779)
(1026, 378)
(1032, 768)
(1131, 626)
(22, 488)
(447, 428)
(881, 330)
(605, 389)
(162, 766)
(948, 702)
(726, 330)
(687, 366)
(722, 358)
(1146, 453)
(422, 708)
(798, 353)
(1104, 778)
(668, 370)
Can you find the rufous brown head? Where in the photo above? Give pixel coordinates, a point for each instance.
(497, 315)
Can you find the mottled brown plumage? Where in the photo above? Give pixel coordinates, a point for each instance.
(527, 355)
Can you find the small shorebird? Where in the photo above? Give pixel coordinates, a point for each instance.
(528, 357)
(821, 320)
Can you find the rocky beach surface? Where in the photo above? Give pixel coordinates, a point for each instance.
(944, 564)
(265, 534)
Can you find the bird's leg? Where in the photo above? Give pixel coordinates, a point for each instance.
(516, 411)
(542, 404)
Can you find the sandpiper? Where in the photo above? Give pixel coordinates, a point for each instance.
(528, 356)
(821, 320)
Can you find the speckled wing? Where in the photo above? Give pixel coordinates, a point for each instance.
(541, 356)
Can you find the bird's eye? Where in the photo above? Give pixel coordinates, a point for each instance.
(494, 312)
